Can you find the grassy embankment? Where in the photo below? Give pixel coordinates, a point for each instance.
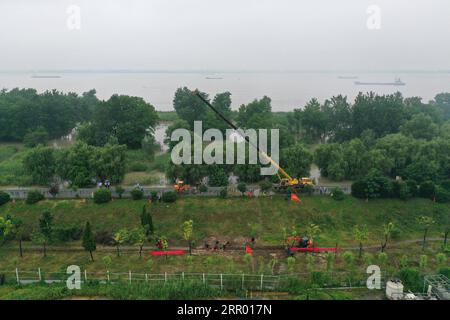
(234, 220)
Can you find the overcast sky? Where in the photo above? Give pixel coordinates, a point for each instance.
(225, 35)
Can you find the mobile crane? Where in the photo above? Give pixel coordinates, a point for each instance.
(287, 183)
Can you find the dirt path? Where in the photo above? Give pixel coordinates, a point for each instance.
(272, 248)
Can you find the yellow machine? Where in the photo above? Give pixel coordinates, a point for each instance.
(180, 186)
(286, 181)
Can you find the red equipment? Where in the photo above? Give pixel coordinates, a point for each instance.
(167, 252)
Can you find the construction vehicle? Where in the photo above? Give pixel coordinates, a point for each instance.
(287, 183)
(180, 186)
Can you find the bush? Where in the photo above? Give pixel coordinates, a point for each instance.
(104, 238)
(411, 278)
(375, 185)
(427, 190)
(169, 196)
(137, 194)
(202, 188)
(34, 196)
(242, 187)
(223, 193)
(265, 185)
(337, 194)
(120, 191)
(218, 177)
(4, 197)
(442, 195)
(308, 189)
(359, 189)
(102, 196)
(445, 271)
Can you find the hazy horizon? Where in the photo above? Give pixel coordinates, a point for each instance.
(233, 35)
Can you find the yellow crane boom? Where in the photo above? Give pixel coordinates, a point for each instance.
(290, 180)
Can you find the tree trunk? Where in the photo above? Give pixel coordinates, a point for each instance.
(45, 249)
(383, 245)
(424, 239)
(360, 249)
(92, 257)
(446, 237)
(118, 251)
(140, 251)
(20, 248)
(190, 248)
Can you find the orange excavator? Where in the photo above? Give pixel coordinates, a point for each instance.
(180, 186)
(287, 183)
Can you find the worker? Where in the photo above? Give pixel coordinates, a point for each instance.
(225, 245)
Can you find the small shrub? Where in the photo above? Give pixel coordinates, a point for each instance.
(169, 196)
(223, 193)
(203, 188)
(441, 259)
(102, 196)
(367, 258)
(265, 185)
(349, 258)
(359, 189)
(411, 279)
(4, 198)
(337, 194)
(423, 262)
(427, 190)
(404, 261)
(120, 191)
(34, 196)
(445, 271)
(382, 258)
(54, 189)
(137, 194)
(308, 189)
(242, 187)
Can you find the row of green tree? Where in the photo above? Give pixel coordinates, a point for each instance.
(81, 164)
(33, 117)
(47, 233)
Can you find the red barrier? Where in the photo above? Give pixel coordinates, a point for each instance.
(167, 252)
(314, 249)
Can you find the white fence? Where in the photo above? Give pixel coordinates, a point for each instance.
(224, 281)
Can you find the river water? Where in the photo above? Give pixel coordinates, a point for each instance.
(287, 90)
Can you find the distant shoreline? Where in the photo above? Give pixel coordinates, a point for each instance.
(209, 72)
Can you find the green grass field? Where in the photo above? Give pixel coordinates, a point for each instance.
(235, 220)
(264, 218)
